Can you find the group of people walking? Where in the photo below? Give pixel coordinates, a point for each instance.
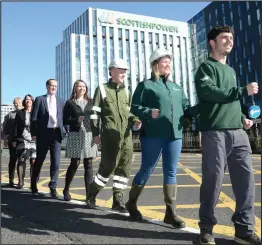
(157, 108)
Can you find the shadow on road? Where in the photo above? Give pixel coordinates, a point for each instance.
(64, 217)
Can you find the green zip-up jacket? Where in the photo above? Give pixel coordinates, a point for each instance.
(112, 107)
(166, 96)
(219, 97)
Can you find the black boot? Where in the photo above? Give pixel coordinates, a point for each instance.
(206, 236)
(88, 175)
(170, 192)
(70, 173)
(118, 203)
(131, 203)
(21, 166)
(11, 183)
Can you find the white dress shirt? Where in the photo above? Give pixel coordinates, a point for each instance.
(50, 124)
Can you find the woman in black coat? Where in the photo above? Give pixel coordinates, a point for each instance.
(25, 146)
(80, 140)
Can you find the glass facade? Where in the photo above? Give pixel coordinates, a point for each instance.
(136, 57)
(87, 58)
(95, 62)
(128, 76)
(245, 57)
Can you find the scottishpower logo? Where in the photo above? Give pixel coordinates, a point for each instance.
(107, 18)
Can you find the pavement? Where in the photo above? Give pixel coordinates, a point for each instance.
(38, 219)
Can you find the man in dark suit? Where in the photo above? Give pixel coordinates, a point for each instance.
(47, 130)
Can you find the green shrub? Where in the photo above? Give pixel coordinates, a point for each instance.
(255, 139)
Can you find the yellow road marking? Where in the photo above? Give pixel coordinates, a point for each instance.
(225, 199)
(219, 229)
(47, 180)
(192, 206)
(156, 187)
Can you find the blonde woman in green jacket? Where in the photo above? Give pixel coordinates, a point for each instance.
(160, 105)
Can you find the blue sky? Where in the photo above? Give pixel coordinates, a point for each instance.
(31, 31)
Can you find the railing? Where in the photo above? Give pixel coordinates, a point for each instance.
(191, 141)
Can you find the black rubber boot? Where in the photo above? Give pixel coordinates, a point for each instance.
(131, 205)
(118, 203)
(170, 193)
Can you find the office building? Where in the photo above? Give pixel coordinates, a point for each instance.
(5, 109)
(98, 36)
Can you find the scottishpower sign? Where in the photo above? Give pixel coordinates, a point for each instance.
(146, 25)
(110, 19)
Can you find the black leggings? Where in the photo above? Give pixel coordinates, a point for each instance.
(70, 173)
(21, 167)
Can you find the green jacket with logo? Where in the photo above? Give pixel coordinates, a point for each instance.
(111, 105)
(166, 96)
(219, 96)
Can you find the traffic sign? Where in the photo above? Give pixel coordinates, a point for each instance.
(254, 111)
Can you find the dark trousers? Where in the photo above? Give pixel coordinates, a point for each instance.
(230, 148)
(52, 140)
(12, 161)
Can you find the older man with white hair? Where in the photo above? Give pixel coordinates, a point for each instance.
(111, 106)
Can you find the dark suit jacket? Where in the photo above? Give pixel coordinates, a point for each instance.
(72, 111)
(19, 125)
(40, 116)
(8, 124)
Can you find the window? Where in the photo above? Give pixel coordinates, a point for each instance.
(258, 14)
(236, 55)
(253, 47)
(259, 30)
(135, 35)
(157, 37)
(247, 4)
(150, 37)
(142, 36)
(223, 9)
(231, 17)
(246, 78)
(240, 25)
(239, 11)
(103, 31)
(249, 64)
(120, 33)
(244, 51)
(127, 34)
(249, 20)
(216, 12)
(246, 37)
(256, 76)
(164, 39)
(237, 38)
(111, 32)
(230, 5)
(209, 17)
